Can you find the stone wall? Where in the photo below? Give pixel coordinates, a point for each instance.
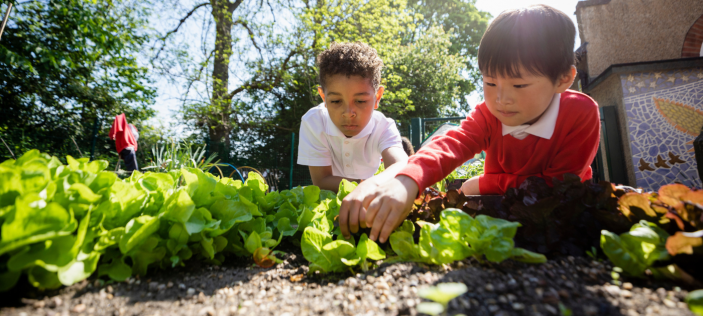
(627, 31)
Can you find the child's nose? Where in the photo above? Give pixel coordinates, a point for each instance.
(349, 112)
(503, 97)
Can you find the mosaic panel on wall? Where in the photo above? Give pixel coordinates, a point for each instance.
(664, 116)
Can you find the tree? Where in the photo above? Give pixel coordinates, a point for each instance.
(66, 64)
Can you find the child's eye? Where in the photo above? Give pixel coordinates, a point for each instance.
(335, 101)
(520, 86)
(360, 101)
(490, 84)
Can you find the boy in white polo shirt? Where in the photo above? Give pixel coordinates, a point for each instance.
(344, 137)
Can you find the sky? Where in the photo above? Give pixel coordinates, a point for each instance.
(167, 103)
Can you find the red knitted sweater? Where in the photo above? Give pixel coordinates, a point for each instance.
(509, 161)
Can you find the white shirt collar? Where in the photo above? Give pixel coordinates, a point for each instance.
(544, 127)
(332, 129)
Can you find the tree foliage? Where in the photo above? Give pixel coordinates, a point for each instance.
(65, 63)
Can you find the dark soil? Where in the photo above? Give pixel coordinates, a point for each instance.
(579, 285)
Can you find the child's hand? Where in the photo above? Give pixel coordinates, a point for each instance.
(470, 187)
(391, 205)
(353, 210)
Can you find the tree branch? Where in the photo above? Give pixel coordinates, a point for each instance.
(261, 85)
(180, 23)
(251, 36)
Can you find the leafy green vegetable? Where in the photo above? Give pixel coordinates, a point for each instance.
(636, 250)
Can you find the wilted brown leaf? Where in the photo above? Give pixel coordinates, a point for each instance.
(679, 243)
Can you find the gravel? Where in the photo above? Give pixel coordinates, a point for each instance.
(581, 285)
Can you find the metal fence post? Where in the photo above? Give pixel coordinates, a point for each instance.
(416, 133)
(292, 157)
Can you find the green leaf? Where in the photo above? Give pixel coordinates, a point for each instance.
(311, 194)
(137, 231)
(636, 250)
(200, 220)
(33, 216)
(403, 245)
(526, 256)
(8, 279)
(253, 242)
(284, 227)
(312, 243)
(367, 248)
(443, 292)
(345, 187)
(695, 302)
(117, 270)
(43, 278)
(178, 207)
(430, 308)
(146, 254)
(79, 269)
(230, 213)
(257, 184)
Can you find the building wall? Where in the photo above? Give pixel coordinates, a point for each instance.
(664, 114)
(627, 31)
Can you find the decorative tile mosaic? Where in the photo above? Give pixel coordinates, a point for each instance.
(664, 116)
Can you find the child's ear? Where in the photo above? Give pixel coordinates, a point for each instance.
(566, 80)
(379, 95)
(322, 94)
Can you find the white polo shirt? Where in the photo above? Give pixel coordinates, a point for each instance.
(544, 127)
(323, 144)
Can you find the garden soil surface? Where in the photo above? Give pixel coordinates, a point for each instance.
(563, 286)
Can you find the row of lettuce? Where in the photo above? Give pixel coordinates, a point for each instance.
(63, 223)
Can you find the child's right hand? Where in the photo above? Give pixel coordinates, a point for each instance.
(392, 203)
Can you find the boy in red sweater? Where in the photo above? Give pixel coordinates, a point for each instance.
(529, 124)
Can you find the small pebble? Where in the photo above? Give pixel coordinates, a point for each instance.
(181, 286)
(518, 306)
(169, 284)
(493, 308)
(489, 287)
(161, 287)
(370, 279)
(209, 311)
(153, 286)
(669, 303)
(78, 308)
(551, 309)
(626, 294)
(502, 299)
(627, 286)
(201, 298)
(191, 291)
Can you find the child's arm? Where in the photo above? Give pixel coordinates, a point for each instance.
(323, 178)
(384, 203)
(392, 155)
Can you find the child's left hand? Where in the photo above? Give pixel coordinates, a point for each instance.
(470, 187)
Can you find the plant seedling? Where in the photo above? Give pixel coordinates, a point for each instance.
(441, 295)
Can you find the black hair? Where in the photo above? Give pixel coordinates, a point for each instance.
(539, 38)
(350, 59)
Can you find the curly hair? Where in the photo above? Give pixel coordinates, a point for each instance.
(350, 59)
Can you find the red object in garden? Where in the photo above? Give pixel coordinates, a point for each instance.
(122, 134)
(509, 161)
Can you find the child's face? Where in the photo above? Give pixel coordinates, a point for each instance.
(350, 102)
(518, 101)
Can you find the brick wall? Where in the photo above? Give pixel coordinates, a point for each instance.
(694, 40)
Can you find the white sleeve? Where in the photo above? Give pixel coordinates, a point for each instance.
(390, 136)
(312, 151)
